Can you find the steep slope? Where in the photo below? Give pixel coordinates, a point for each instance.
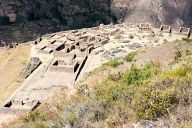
(173, 12)
(23, 20)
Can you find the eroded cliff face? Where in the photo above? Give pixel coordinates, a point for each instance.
(23, 20)
(156, 12)
(73, 13)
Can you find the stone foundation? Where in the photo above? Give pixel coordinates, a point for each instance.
(165, 28)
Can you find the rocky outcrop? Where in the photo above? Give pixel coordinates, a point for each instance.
(32, 65)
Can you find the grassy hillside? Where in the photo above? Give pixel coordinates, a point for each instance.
(121, 99)
(12, 62)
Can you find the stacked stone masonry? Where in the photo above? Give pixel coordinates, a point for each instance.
(165, 28)
(185, 31)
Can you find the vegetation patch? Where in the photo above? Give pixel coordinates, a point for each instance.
(129, 57)
(188, 40)
(136, 75)
(137, 94)
(113, 63)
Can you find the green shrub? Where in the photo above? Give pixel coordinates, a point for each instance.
(181, 71)
(129, 57)
(34, 116)
(187, 40)
(151, 103)
(112, 63)
(40, 125)
(135, 75)
(131, 76)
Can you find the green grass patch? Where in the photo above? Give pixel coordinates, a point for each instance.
(136, 75)
(188, 40)
(34, 116)
(112, 63)
(129, 57)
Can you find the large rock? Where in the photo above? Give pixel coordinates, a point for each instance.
(32, 65)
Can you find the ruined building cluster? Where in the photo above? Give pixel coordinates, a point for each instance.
(71, 50)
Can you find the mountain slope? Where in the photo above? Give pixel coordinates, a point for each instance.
(23, 20)
(173, 12)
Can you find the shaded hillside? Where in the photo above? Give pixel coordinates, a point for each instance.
(173, 12)
(23, 20)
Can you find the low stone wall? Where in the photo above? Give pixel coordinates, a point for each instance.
(165, 28)
(64, 68)
(15, 107)
(10, 111)
(185, 31)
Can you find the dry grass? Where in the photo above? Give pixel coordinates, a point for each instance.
(11, 65)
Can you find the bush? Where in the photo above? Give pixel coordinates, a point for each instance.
(129, 57)
(131, 36)
(112, 63)
(40, 125)
(34, 116)
(181, 71)
(187, 40)
(135, 75)
(151, 103)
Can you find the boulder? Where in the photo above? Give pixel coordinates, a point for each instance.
(31, 66)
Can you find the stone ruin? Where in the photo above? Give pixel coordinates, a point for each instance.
(48, 49)
(37, 40)
(65, 65)
(144, 27)
(71, 56)
(185, 31)
(165, 28)
(71, 50)
(17, 107)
